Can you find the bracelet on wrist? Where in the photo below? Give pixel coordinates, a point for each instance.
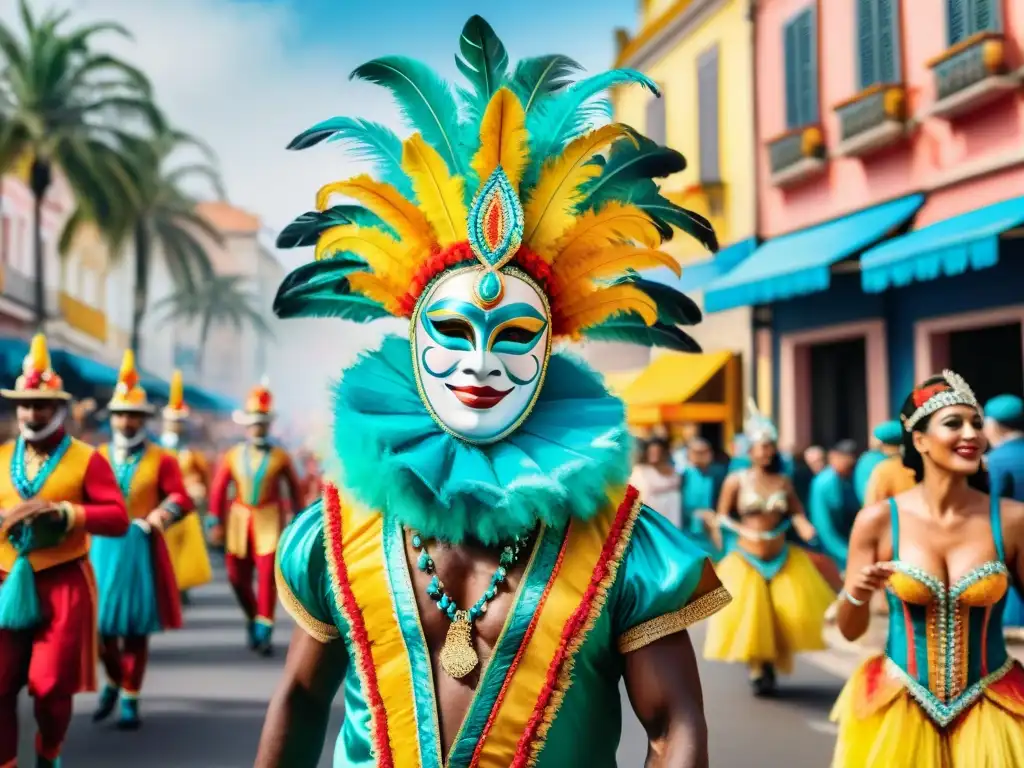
(852, 600)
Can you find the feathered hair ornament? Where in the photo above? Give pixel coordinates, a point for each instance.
(757, 427)
(953, 391)
(508, 170)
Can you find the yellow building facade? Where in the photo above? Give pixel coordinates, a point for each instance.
(700, 53)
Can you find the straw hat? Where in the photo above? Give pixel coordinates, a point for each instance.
(176, 409)
(38, 380)
(258, 406)
(129, 397)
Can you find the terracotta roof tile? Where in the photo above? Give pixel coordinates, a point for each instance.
(227, 218)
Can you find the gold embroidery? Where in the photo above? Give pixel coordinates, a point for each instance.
(670, 623)
(315, 628)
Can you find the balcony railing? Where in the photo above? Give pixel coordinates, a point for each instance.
(871, 120)
(89, 320)
(971, 74)
(796, 155)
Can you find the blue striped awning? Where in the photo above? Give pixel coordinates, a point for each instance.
(698, 274)
(948, 247)
(800, 262)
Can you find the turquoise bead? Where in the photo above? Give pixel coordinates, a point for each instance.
(490, 593)
(417, 541)
(489, 286)
(474, 613)
(424, 562)
(444, 602)
(452, 610)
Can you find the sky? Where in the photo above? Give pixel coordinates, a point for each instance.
(248, 75)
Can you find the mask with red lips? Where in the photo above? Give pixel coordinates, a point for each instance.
(480, 365)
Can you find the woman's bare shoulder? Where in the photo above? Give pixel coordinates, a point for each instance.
(1012, 514)
(872, 520)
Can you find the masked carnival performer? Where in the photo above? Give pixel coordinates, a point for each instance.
(137, 589)
(185, 540)
(54, 493)
(478, 576)
(780, 596)
(261, 477)
(945, 692)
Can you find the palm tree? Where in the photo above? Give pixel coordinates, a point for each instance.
(69, 108)
(218, 300)
(165, 215)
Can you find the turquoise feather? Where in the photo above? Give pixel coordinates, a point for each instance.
(630, 328)
(628, 163)
(371, 141)
(540, 76)
(321, 289)
(674, 307)
(558, 465)
(425, 100)
(307, 228)
(484, 63)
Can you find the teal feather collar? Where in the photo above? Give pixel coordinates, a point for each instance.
(394, 458)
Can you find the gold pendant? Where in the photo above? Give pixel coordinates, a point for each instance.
(458, 658)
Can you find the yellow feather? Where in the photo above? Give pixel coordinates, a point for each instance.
(127, 364)
(503, 139)
(611, 262)
(549, 212)
(177, 395)
(439, 193)
(372, 287)
(615, 223)
(602, 303)
(38, 354)
(384, 200)
(387, 258)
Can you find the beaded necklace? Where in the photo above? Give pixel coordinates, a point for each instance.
(29, 489)
(125, 471)
(458, 658)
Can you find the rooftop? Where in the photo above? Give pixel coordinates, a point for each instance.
(229, 219)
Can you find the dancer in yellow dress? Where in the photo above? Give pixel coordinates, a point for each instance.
(946, 693)
(185, 541)
(779, 595)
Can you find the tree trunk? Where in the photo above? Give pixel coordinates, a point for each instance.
(204, 335)
(40, 178)
(141, 290)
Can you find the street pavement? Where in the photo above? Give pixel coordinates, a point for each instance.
(205, 698)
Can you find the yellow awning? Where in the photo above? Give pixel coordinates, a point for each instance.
(619, 381)
(673, 378)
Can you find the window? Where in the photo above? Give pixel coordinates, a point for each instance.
(656, 128)
(707, 115)
(800, 44)
(965, 18)
(877, 42)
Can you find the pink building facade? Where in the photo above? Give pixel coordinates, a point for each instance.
(890, 163)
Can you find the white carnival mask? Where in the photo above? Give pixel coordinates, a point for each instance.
(480, 364)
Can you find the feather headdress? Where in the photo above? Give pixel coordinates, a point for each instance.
(510, 170)
(757, 427)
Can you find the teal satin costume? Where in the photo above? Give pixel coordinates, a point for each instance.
(701, 488)
(832, 506)
(862, 470)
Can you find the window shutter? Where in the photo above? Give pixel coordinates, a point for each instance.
(708, 115)
(956, 21)
(792, 76)
(887, 24)
(984, 16)
(807, 66)
(866, 43)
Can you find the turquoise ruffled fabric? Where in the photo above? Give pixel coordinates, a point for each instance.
(124, 578)
(393, 457)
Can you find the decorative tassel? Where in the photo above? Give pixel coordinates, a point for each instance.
(19, 602)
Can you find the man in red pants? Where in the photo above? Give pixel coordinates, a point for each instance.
(54, 492)
(261, 474)
(137, 588)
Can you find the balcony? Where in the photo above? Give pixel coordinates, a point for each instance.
(872, 120)
(796, 156)
(971, 74)
(83, 318)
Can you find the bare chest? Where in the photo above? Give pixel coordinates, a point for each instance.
(948, 552)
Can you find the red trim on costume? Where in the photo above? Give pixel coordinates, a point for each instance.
(984, 640)
(103, 506)
(911, 643)
(576, 624)
(519, 654)
(924, 394)
(359, 636)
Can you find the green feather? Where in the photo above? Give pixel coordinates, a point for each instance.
(650, 200)
(321, 289)
(371, 141)
(425, 100)
(674, 307)
(628, 163)
(305, 229)
(630, 328)
(484, 62)
(541, 76)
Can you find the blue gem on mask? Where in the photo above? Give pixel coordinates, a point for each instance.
(489, 289)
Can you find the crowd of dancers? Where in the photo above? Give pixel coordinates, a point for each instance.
(100, 545)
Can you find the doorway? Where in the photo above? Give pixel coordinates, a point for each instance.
(839, 394)
(974, 353)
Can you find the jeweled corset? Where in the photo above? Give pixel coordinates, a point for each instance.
(946, 643)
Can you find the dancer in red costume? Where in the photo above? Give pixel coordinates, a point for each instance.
(137, 587)
(250, 525)
(54, 492)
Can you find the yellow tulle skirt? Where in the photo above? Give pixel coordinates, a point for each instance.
(768, 621)
(881, 725)
(187, 547)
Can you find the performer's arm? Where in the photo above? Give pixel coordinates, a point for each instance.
(864, 573)
(103, 511)
(176, 502)
(664, 688)
(219, 489)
